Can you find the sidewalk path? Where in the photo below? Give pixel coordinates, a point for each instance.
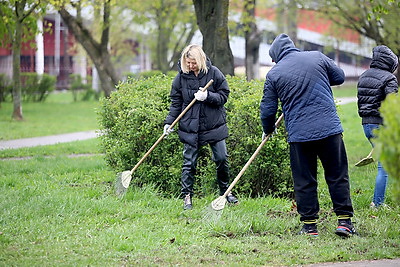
(366, 263)
(47, 140)
(70, 137)
(346, 100)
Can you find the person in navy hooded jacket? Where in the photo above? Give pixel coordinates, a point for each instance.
(302, 81)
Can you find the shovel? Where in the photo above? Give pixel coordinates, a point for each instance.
(219, 203)
(365, 161)
(124, 178)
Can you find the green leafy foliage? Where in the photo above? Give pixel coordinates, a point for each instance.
(5, 88)
(82, 90)
(36, 87)
(388, 140)
(132, 120)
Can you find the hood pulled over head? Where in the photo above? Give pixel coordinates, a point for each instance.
(281, 46)
(384, 58)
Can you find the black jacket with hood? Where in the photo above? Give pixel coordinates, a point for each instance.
(375, 83)
(205, 121)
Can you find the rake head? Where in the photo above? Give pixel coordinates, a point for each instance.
(122, 182)
(364, 161)
(218, 203)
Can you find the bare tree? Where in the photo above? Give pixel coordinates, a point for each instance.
(252, 39)
(97, 51)
(377, 20)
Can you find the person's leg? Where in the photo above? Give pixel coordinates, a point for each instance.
(332, 154)
(220, 157)
(380, 186)
(303, 162)
(381, 176)
(368, 129)
(190, 156)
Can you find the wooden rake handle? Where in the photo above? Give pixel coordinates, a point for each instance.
(277, 123)
(169, 128)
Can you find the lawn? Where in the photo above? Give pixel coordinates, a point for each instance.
(58, 115)
(58, 210)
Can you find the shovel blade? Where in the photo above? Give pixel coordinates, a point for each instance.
(218, 203)
(364, 161)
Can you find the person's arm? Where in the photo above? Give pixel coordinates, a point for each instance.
(335, 74)
(392, 86)
(268, 107)
(221, 94)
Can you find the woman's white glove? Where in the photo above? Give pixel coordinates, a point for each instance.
(167, 131)
(200, 95)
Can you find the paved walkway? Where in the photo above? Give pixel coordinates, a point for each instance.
(371, 263)
(47, 140)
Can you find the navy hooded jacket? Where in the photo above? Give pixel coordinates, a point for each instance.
(302, 82)
(375, 83)
(205, 121)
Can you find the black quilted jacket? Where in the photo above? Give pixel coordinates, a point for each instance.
(375, 83)
(205, 122)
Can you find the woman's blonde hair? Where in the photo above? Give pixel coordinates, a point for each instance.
(195, 52)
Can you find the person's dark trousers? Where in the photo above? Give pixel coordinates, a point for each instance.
(190, 156)
(332, 154)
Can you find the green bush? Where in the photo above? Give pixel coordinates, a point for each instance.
(36, 87)
(5, 88)
(81, 90)
(132, 121)
(388, 140)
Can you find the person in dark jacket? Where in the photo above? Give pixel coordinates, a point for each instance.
(373, 86)
(302, 82)
(205, 122)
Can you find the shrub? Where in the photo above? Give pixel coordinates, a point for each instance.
(132, 120)
(388, 140)
(5, 88)
(82, 90)
(36, 87)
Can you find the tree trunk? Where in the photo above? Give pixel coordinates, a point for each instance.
(287, 18)
(16, 92)
(253, 40)
(212, 19)
(97, 52)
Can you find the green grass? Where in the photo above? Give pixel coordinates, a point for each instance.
(347, 90)
(62, 211)
(59, 114)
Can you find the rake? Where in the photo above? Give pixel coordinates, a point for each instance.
(365, 161)
(219, 203)
(124, 178)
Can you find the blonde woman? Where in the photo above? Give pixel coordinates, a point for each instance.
(204, 123)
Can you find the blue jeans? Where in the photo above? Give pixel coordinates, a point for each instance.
(382, 176)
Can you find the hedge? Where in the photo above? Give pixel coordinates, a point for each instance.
(131, 121)
(388, 141)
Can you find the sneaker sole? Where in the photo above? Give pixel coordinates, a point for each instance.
(343, 232)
